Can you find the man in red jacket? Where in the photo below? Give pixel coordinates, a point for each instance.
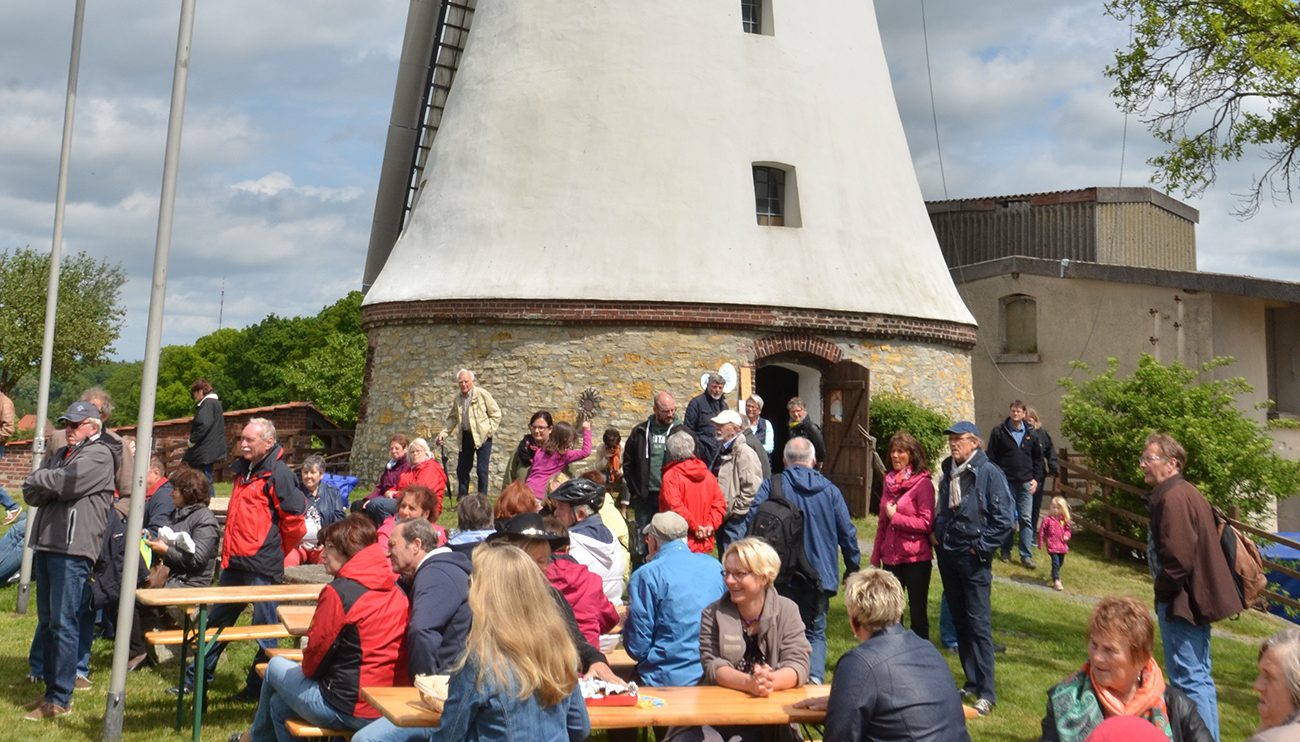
(264, 522)
(691, 491)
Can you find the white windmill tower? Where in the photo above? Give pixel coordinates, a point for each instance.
(624, 194)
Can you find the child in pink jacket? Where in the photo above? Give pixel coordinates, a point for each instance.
(1055, 532)
(555, 454)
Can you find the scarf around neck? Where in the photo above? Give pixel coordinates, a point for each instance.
(1148, 701)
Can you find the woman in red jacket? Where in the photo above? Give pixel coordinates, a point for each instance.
(906, 518)
(426, 471)
(355, 640)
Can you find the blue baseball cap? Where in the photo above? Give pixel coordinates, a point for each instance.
(80, 410)
(963, 427)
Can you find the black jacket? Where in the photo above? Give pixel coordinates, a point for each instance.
(1015, 461)
(810, 430)
(636, 462)
(440, 618)
(698, 419)
(193, 568)
(1046, 465)
(207, 434)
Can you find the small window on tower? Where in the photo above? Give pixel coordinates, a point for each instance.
(751, 16)
(776, 196)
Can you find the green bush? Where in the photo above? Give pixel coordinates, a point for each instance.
(1229, 457)
(892, 413)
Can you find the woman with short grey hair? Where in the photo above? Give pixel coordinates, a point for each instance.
(1278, 686)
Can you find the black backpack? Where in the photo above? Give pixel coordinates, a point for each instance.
(779, 522)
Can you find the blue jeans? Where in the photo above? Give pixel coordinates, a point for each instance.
(947, 631)
(1024, 500)
(465, 459)
(225, 614)
(11, 548)
(967, 582)
(6, 501)
(813, 605)
(1057, 561)
(288, 694)
(1187, 664)
(383, 730)
(61, 592)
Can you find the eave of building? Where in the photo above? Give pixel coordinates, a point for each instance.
(1096, 194)
(1216, 283)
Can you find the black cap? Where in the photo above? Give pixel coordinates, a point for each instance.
(580, 492)
(527, 526)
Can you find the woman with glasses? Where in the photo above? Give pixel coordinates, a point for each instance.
(751, 639)
(539, 431)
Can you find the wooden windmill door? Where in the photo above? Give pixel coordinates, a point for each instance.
(846, 395)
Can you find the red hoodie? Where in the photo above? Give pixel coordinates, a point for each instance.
(583, 590)
(691, 491)
(357, 633)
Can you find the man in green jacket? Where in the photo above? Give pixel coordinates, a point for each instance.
(477, 416)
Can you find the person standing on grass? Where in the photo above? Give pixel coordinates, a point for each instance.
(1015, 448)
(476, 415)
(1054, 533)
(1194, 586)
(906, 519)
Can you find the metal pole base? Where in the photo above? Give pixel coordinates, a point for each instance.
(24, 598)
(114, 712)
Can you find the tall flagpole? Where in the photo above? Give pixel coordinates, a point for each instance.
(115, 709)
(51, 299)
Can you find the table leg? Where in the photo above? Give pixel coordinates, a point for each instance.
(200, 671)
(180, 680)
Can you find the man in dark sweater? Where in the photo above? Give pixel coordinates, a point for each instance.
(699, 417)
(1014, 448)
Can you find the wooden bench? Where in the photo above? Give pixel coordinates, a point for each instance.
(288, 654)
(228, 634)
(300, 728)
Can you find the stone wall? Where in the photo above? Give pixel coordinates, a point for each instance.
(527, 367)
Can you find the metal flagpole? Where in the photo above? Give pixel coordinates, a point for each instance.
(115, 709)
(51, 300)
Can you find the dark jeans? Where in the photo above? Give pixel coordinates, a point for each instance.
(967, 580)
(1038, 503)
(60, 591)
(465, 459)
(915, 578)
(813, 603)
(643, 510)
(731, 530)
(225, 614)
(1057, 560)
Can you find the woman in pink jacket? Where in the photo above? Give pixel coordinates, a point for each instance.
(906, 518)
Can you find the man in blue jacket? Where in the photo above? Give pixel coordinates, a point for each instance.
(665, 600)
(826, 527)
(971, 521)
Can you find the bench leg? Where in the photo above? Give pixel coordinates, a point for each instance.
(180, 681)
(200, 671)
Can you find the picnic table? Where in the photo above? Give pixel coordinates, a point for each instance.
(296, 618)
(202, 598)
(691, 706)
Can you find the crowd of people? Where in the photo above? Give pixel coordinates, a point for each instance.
(725, 575)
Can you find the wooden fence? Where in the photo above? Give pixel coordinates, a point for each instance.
(1079, 483)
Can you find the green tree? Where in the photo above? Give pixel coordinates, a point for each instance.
(87, 321)
(331, 376)
(1229, 456)
(1213, 78)
(893, 413)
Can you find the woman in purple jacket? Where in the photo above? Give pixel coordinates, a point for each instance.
(906, 517)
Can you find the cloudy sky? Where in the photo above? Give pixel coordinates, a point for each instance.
(288, 106)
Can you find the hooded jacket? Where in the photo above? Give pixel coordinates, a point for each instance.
(826, 522)
(584, 592)
(636, 460)
(357, 633)
(594, 546)
(693, 493)
(253, 542)
(207, 434)
(1016, 460)
(428, 473)
(439, 595)
(665, 600)
(74, 492)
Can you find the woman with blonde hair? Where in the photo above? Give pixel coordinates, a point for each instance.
(518, 677)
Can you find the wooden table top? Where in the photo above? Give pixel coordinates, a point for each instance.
(187, 596)
(296, 618)
(693, 706)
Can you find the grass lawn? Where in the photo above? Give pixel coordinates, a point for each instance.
(1043, 629)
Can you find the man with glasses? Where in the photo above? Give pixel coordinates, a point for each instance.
(73, 491)
(643, 465)
(972, 520)
(1194, 585)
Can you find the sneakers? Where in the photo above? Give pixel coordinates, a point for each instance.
(1057, 584)
(1005, 557)
(46, 711)
(136, 662)
(983, 707)
(11, 516)
(83, 683)
(1028, 563)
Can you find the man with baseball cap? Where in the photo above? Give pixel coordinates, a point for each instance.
(739, 472)
(665, 600)
(973, 518)
(73, 491)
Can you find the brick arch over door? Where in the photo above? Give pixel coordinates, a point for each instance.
(801, 344)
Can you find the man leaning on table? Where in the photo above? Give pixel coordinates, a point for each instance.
(263, 522)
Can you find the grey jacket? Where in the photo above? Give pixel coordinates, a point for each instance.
(73, 491)
(780, 636)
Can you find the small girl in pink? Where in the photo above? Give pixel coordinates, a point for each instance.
(555, 454)
(1054, 531)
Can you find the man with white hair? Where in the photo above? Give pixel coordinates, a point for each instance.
(700, 412)
(690, 490)
(739, 472)
(73, 491)
(665, 601)
(476, 415)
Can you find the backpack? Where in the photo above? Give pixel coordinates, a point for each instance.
(779, 522)
(1249, 574)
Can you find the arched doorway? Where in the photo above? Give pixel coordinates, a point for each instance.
(778, 381)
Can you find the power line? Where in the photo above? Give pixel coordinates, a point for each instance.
(934, 116)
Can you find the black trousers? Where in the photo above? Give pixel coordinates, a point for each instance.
(915, 577)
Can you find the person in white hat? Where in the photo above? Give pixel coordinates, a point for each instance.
(739, 473)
